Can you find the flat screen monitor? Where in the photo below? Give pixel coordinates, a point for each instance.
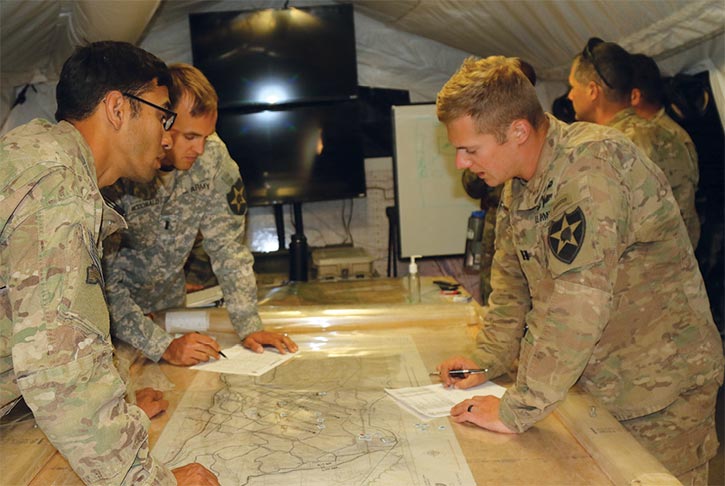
(375, 118)
(297, 153)
(267, 57)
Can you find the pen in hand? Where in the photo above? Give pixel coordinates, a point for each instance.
(461, 373)
(221, 353)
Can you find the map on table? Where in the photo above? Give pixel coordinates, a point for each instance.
(321, 419)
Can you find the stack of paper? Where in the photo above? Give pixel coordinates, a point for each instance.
(204, 298)
(242, 361)
(431, 401)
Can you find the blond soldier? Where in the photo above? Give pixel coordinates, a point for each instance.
(199, 190)
(55, 348)
(601, 80)
(594, 280)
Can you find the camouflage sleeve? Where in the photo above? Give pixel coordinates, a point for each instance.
(128, 321)
(498, 340)
(572, 302)
(223, 230)
(62, 355)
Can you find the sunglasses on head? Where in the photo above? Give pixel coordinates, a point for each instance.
(588, 53)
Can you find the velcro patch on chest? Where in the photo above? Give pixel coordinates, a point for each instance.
(235, 198)
(566, 235)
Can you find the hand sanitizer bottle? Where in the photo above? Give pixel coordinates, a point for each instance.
(413, 281)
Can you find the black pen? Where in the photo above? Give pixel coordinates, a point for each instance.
(221, 353)
(459, 373)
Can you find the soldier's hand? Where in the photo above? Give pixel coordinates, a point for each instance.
(482, 411)
(151, 401)
(191, 349)
(257, 340)
(459, 363)
(192, 287)
(194, 474)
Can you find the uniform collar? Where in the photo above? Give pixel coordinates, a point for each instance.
(84, 153)
(621, 115)
(532, 190)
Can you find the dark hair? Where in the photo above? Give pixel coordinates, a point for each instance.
(528, 71)
(97, 68)
(647, 79)
(609, 63)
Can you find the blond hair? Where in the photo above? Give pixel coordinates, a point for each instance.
(494, 92)
(188, 80)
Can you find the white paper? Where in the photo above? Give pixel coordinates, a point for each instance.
(186, 321)
(431, 401)
(242, 361)
(205, 297)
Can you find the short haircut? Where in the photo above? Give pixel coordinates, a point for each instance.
(494, 92)
(188, 80)
(97, 68)
(614, 63)
(647, 79)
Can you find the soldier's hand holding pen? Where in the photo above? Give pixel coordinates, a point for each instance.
(191, 349)
(461, 372)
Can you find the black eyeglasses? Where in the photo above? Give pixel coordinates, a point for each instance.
(167, 121)
(589, 54)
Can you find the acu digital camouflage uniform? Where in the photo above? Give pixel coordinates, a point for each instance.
(594, 282)
(673, 153)
(146, 272)
(55, 347)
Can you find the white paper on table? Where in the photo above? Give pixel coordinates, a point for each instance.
(431, 401)
(242, 361)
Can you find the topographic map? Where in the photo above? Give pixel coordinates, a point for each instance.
(322, 418)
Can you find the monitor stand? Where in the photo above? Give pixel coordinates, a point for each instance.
(298, 248)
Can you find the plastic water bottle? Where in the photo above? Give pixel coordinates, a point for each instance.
(413, 281)
(474, 241)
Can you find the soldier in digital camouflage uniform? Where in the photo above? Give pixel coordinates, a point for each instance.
(646, 98)
(601, 86)
(145, 272)
(594, 280)
(55, 348)
(490, 197)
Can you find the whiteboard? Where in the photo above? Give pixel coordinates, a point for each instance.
(433, 208)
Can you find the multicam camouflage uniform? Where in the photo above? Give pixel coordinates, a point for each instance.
(146, 273)
(592, 256)
(674, 152)
(55, 347)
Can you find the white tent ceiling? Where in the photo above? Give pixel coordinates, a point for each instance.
(412, 44)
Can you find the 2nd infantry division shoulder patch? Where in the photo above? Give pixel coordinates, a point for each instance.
(566, 235)
(235, 198)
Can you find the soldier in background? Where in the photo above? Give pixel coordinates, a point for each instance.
(489, 196)
(601, 80)
(198, 189)
(647, 100)
(594, 280)
(55, 347)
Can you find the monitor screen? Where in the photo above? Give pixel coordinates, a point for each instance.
(298, 153)
(271, 56)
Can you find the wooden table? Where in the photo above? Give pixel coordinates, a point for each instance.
(579, 444)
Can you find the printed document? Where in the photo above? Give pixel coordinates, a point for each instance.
(431, 401)
(242, 361)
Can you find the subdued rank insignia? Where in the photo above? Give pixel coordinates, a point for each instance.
(566, 235)
(236, 199)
